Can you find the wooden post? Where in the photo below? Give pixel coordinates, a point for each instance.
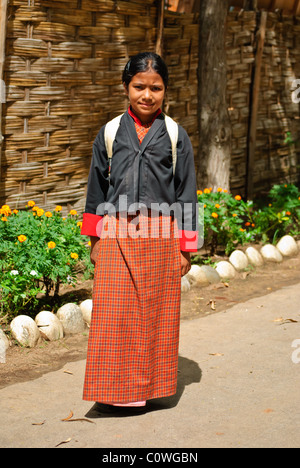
(160, 28)
(3, 16)
(254, 103)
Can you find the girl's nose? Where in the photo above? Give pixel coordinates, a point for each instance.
(147, 93)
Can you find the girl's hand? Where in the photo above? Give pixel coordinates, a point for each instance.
(95, 246)
(185, 262)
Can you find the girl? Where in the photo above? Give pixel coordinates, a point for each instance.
(139, 251)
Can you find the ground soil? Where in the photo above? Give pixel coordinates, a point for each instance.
(23, 364)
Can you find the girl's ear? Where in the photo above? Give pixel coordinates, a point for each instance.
(126, 88)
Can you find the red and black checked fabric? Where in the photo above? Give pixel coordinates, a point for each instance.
(134, 333)
(142, 130)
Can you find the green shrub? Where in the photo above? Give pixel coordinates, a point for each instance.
(39, 251)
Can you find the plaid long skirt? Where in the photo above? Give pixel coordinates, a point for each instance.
(134, 333)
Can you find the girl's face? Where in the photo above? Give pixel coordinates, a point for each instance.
(146, 92)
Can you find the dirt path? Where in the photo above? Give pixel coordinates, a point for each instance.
(24, 364)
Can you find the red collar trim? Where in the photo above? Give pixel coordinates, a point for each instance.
(137, 120)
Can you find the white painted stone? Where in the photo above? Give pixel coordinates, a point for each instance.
(71, 318)
(226, 270)
(49, 325)
(211, 274)
(25, 331)
(185, 284)
(239, 260)
(86, 309)
(254, 257)
(4, 345)
(4, 338)
(196, 276)
(287, 246)
(271, 254)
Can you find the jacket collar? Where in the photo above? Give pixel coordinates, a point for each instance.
(130, 127)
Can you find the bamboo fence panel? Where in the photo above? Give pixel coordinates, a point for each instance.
(63, 69)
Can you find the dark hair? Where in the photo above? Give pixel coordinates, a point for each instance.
(143, 62)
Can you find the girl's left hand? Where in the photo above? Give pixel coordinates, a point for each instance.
(185, 262)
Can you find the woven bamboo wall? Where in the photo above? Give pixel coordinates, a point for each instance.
(276, 160)
(63, 70)
(63, 77)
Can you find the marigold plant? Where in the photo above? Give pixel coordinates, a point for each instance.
(39, 251)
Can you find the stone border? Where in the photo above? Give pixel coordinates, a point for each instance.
(71, 318)
(239, 261)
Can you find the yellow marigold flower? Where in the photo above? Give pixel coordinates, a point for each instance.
(51, 245)
(15, 211)
(206, 190)
(31, 203)
(205, 206)
(35, 208)
(40, 212)
(22, 238)
(219, 189)
(89, 243)
(199, 192)
(4, 218)
(48, 214)
(215, 215)
(217, 205)
(79, 224)
(238, 197)
(73, 212)
(74, 255)
(6, 210)
(58, 208)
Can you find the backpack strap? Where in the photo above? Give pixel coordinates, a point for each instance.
(172, 128)
(111, 129)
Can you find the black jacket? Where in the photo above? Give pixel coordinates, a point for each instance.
(143, 173)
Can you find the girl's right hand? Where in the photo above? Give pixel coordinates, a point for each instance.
(95, 246)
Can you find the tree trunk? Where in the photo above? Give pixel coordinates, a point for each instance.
(213, 168)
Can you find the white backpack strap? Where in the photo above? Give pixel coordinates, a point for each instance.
(172, 128)
(110, 131)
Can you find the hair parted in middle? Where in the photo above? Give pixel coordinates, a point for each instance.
(144, 62)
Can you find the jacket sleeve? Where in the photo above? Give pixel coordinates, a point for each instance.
(186, 193)
(97, 188)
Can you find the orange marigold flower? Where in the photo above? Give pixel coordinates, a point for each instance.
(253, 225)
(35, 208)
(4, 218)
(238, 197)
(48, 214)
(74, 255)
(51, 245)
(31, 203)
(247, 224)
(40, 212)
(199, 192)
(73, 212)
(206, 190)
(225, 190)
(234, 215)
(242, 230)
(22, 238)
(217, 205)
(58, 208)
(215, 215)
(288, 213)
(5, 210)
(15, 211)
(219, 189)
(79, 224)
